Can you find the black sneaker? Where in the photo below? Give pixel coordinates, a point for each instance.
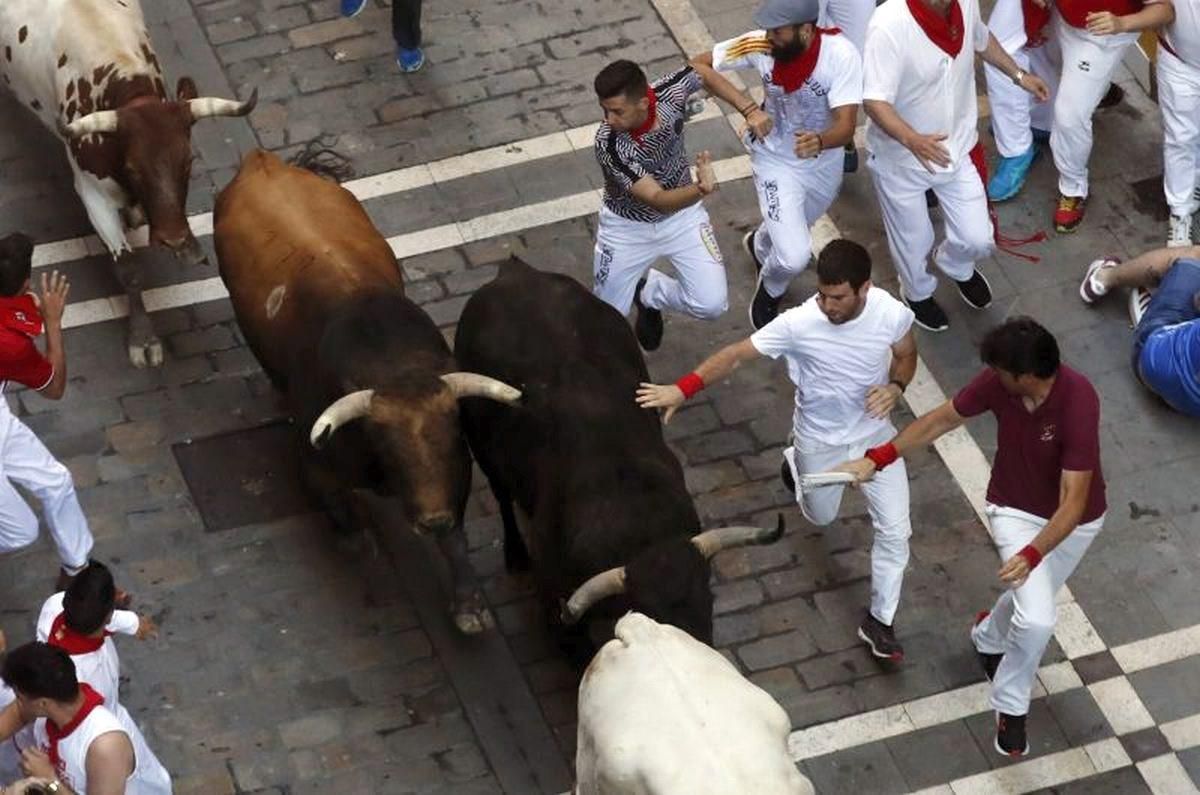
(928, 314)
(1113, 96)
(976, 291)
(1010, 735)
(990, 662)
(763, 308)
(785, 474)
(850, 158)
(881, 639)
(649, 323)
(931, 199)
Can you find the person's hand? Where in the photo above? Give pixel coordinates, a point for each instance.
(54, 297)
(1036, 86)
(863, 469)
(1014, 571)
(1104, 23)
(881, 399)
(759, 123)
(807, 144)
(658, 396)
(929, 149)
(706, 178)
(34, 762)
(146, 628)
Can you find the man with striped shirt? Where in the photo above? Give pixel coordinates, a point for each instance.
(652, 208)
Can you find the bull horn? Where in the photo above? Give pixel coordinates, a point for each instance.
(710, 542)
(343, 410)
(605, 584)
(203, 107)
(102, 121)
(476, 385)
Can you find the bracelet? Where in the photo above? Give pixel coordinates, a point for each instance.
(1018, 76)
(1031, 555)
(903, 386)
(690, 384)
(882, 455)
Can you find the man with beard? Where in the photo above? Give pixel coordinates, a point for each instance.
(919, 94)
(850, 352)
(812, 81)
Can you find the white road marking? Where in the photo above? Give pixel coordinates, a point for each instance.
(1121, 706)
(1166, 774)
(1158, 650)
(1033, 774)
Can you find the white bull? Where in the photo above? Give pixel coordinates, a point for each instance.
(662, 714)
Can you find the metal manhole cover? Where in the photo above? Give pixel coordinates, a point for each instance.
(245, 477)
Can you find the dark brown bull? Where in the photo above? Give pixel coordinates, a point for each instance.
(319, 297)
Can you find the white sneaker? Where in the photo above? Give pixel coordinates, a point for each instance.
(1091, 289)
(1139, 300)
(1180, 233)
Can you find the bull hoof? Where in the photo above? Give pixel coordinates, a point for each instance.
(147, 354)
(474, 622)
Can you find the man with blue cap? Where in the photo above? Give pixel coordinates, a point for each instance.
(812, 85)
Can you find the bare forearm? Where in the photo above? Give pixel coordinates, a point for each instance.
(720, 87)
(995, 55)
(903, 369)
(840, 133)
(885, 115)
(1152, 16)
(56, 353)
(668, 200)
(721, 364)
(1061, 525)
(927, 428)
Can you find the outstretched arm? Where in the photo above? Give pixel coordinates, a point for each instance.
(717, 367)
(919, 433)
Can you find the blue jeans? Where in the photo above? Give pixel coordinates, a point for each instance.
(406, 23)
(1173, 302)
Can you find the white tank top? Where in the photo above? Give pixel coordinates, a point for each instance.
(149, 776)
(100, 668)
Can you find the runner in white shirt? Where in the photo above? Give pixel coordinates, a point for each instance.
(1178, 67)
(851, 17)
(81, 744)
(812, 82)
(81, 620)
(850, 352)
(919, 94)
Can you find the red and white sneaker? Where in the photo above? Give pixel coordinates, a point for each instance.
(1068, 215)
(1091, 289)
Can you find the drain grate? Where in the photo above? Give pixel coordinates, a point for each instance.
(245, 477)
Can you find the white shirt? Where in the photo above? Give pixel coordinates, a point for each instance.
(836, 80)
(1183, 35)
(101, 668)
(149, 776)
(931, 91)
(833, 365)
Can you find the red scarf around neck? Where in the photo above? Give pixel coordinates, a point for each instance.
(946, 33)
(792, 74)
(70, 641)
(91, 700)
(651, 116)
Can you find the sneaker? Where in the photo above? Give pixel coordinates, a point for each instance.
(785, 474)
(1010, 735)
(850, 159)
(990, 662)
(1091, 289)
(881, 639)
(1040, 136)
(927, 314)
(1069, 213)
(410, 60)
(1139, 301)
(1010, 175)
(1179, 231)
(1113, 96)
(649, 323)
(763, 307)
(976, 291)
(931, 199)
(352, 8)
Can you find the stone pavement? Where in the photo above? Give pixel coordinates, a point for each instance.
(294, 660)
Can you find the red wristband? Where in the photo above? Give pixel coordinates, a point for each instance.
(1031, 555)
(690, 384)
(882, 455)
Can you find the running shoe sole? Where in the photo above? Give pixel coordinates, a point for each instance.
(894, 657)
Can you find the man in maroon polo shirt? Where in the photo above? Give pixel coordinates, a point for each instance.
(1045, 499)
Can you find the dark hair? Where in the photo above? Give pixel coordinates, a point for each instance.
(844, 261)
(90, 598)
(39, 670)
(621, 77)
(1021, 346)
(16, 263)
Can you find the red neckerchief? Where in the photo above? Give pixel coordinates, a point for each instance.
(21, 314)
(70, 641)
(946, 33)
(651, 116)
(1036, 19)
(792, 74)
(91, 700)
(1006, 244)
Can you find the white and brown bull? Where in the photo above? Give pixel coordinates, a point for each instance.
(88, 70)
(662, 714)
(369, 378)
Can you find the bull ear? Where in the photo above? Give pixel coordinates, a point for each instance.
(185, 89)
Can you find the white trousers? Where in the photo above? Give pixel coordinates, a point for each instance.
(1179, 97)
(24, 460)
(1014, 109)
(625, 249)
(1022, 620)
(887, 501)
(1088, 64)
(792, 195)
(901, 195)
(851, 16)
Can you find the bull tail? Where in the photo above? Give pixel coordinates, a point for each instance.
(323, 161)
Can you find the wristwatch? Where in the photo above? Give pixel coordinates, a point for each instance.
(1018, 76)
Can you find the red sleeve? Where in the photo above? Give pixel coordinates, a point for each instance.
(1081, 431)
(977, 396)
(21, 361)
